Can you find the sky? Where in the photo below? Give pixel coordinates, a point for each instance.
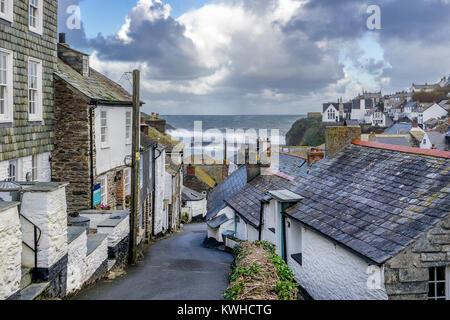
(261, 56)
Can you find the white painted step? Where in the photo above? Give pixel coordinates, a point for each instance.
(26, 278)
(33, 291)
(111, 263)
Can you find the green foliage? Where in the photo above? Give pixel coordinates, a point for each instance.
(436, 95)
(306, 132)
(285, 288)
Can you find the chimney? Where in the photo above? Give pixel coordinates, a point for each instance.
(153, 115)
(314, 155)
(337, 138)
(190, 170)
(256, 164)
(62, 37)
(415, 123)
(144, 127)
(372, 137)
(157, 116)
(79, 61)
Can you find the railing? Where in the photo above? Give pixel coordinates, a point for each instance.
(36, 238)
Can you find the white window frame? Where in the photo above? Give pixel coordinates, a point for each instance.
(104, 190)
(38, 114)
(128, 127)
(13, 164)
(127, 184)
(38, 6)
(34, 167)
(331, 114)
(8, 14)
(8, 115)
(104, 137)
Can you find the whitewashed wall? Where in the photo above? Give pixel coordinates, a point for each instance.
(118, 233)
(229, 225)
(96, 218)
(197, 208)
(329, 272)
(25, 165)
(76, 266)
(113, 156)
(272, 219)
(48, 211)
(434, 112)
(10, 252)
(95, 259)
(160, 169)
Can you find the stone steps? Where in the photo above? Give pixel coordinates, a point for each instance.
(33, 291)
(111, 264)
(26, 278)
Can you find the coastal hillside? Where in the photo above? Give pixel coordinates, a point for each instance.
(306, 132)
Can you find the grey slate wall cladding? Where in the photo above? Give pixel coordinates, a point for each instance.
(22, 139)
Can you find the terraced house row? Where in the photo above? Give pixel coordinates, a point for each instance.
(65, 180)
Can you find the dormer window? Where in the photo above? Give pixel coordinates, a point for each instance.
(6, 10)
(35, 16)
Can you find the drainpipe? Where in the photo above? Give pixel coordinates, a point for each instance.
(154, 188)
(261, 220)
(91, 146)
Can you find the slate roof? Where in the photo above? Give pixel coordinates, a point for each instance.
(147, 142)
(96, 87)
(218, 221)
(191, 195)
(373, 201)
(351, 123)
(164, 139)
(326, 105)
(399, 128)
(247, 202)
(438, 139)
(227, 188)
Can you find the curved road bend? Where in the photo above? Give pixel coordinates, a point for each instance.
(176, 268)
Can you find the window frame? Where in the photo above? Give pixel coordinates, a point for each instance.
(446, 282)
(127, 186)
(8, 15)
(39, 19)
(128, 127)
(15, 164)
(104, 143)
(8, 114)
(104, 191)
(38, 114)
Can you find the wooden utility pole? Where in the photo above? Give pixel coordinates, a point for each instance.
(134, 212)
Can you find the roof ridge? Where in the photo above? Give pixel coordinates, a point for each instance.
(293, 155)
(418, 151)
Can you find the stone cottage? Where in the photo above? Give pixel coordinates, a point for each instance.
(93, 134)
(27, 62)
(370, 221)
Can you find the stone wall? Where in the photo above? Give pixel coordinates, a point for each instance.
(337, 138)
(95, 263)
(23, 138)
(407, 275)
(76, 263)
(10, 251)
(71, 159)
(115, 189)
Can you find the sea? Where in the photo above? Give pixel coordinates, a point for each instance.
(183, 127)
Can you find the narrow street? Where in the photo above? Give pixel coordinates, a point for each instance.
(175, 268)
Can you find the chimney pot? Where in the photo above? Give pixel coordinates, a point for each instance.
(372, 137)
(153, 115)
(157, 116)
(62, 37)
(314, 155)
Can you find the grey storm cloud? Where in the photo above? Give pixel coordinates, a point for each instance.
(304, 67)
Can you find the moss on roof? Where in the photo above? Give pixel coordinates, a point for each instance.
(203, 176)
(95, 87)
(164, 139)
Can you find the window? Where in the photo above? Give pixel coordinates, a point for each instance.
(12, 170)
(35, 16)
(438, 285)
(331, 114)
(34, 168)
(127, 182)
(6, 85)
(128, 134)
(104, 191)
(6, 10)
(104, 128)
(34, 90)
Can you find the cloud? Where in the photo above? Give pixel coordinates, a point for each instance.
(279, 56)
